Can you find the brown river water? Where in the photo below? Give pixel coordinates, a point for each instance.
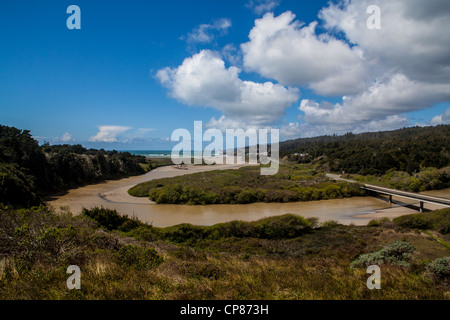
(113, 194)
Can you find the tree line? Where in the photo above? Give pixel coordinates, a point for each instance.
(407, 149)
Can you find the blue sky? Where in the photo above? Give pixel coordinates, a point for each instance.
(137, 70)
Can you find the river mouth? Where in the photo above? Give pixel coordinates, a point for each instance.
(114, 195)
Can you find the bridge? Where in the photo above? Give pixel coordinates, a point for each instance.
(408, 195)
(402, 194)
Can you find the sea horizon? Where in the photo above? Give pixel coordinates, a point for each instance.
(159, 153)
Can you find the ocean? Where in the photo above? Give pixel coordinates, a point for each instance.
(150, 153)
(160, 153)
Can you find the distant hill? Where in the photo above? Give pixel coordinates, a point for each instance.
(407, 149)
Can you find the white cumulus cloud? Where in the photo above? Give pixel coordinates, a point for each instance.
(66, 137)
(108, 133)
(395, 96)
(285, 49)
(443, 118)
(203, 80)
(402, 67)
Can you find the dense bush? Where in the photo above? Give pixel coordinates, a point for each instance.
(184, 232)
(398, 253)
(110, 219)
(440, 268)
(282, 227)
(106, 218)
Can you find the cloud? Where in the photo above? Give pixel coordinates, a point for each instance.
(386, 124)
(66, 137)
(307, 130)
(108, 133)
(232, 54)
(395, 96)
(203, 80)
(285, 49)
(291, 130)
(444, 118)
(380, 74)
(413, 38)
(262, 6)
(206, 33)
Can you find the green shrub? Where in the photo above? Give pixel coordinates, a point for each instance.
(138, 258)
(283, 227)
(106, 218)
(129, 224)
(238, 229)
(184, 232)
(374, 223)
(440, 268)
(144, 233)
(397, 253)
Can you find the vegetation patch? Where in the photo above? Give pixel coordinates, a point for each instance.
(246, 185)
(398, 253)
(440, 269)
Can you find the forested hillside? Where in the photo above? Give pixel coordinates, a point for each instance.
(29, 171)
(408, 150)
